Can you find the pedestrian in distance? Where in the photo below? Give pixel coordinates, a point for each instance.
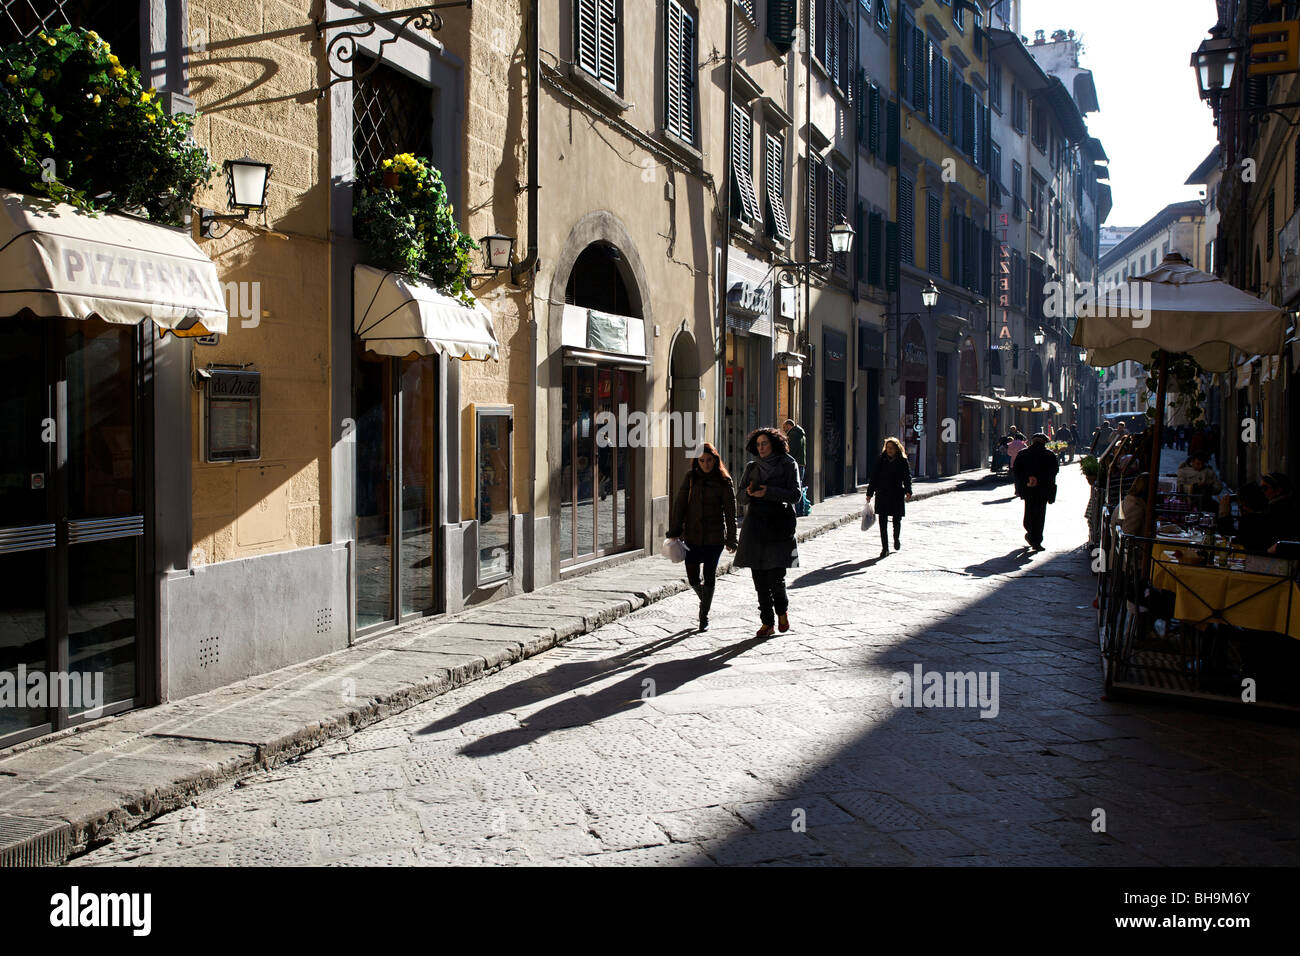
(1035, 470)
(769, 487)
(704, 518)
(891, 484)
(797, 439)
(1015, 447)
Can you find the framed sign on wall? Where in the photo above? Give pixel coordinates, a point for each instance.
(232, 415)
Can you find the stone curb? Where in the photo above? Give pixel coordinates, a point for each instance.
(88, 807)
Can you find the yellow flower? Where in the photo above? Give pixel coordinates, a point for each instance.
(95, 99)
(146, 96)
(11, 79)
(150, 117)
(93, 35)
(387, 162)
(123, 100)
(51, 41)
(117, 72)
(114, 60)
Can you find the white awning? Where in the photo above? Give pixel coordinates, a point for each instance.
(982, 400)
(58, 261)
(394, 315)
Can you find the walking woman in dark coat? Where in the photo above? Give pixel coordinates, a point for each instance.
(891, 483)
(704, 517)
(769, 487)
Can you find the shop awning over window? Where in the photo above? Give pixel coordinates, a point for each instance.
(982, 400)
(394, 315)
(56, 261)
(590, 330)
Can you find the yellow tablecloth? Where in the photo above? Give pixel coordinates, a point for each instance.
(1204, 595)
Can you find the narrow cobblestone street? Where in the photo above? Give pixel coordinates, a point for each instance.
(645, 743)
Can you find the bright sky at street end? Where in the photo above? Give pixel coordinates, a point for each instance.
(1152, 124)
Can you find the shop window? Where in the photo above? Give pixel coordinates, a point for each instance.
(492, 469)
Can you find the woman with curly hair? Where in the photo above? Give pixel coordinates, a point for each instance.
(891, 483)
(768, 489)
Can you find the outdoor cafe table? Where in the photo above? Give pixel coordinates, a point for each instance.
(1204, 595)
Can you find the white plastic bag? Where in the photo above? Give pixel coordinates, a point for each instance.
(868, 517)
(673, 550)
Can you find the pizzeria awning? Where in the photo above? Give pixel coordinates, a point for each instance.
(57, 261)
(395, 315)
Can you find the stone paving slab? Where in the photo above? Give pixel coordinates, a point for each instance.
(267, 719)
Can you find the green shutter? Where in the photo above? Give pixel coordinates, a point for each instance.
(876, 249)
(782, 21)
(891, 256)
(892, 147)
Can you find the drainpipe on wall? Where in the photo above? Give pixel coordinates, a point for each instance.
(724, 257)
(529, 267)
(808, 381)
(898, 204)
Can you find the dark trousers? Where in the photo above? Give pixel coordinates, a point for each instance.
(701, 571)
(1035, 515)
(770, 585)
(884, 529)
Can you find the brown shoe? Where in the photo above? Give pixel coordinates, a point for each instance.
(784, 623)
(767, 630)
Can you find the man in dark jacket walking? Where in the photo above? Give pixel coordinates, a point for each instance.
(1035, 471)
(798, 440)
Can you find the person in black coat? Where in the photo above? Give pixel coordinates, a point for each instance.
(1035, 470)
(704, 517)
(891, 484)
(769, 487)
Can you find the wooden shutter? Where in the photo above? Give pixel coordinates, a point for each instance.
(945, 119)
(933, 233)
(607, 41)
(892, 145)
(778, 224)
(954, 246)
(932, 113)
(906, 222)
(873, 142)
(847, 60)
(920, 70)
(680, 73)
(814, 174)
(967, 119)
(891, 256)
(860, 242)
(839, 211)
(587, 44)
(743, 197)
(907, 60)
(876, 262)
(986, 262)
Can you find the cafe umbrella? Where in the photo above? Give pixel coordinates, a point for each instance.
(1176, 309)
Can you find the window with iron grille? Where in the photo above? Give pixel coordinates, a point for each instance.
(391, 114)
(906, 222)
(596, 23)
(744, 198)
(679, 72)
(933, 234)
(117, 23)
(778, 224)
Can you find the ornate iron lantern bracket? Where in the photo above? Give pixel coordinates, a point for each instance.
(341, 50)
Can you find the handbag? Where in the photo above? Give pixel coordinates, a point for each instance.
(868, 517)
(673, 550)
(803, 507)
(775, 521)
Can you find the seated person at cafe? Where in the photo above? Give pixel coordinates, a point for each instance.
(1252, 530)
(1196, 477)
(1131, 514)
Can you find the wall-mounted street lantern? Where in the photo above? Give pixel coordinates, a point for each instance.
(246, 184)
(1083, 355)
(1215, 62)
(841, 237)
(1040, 337)
(497, 251)
(930, 295)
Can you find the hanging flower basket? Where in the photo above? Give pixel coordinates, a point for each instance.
(403, 216)
(78, 127)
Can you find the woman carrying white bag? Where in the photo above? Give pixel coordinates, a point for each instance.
(704, 522)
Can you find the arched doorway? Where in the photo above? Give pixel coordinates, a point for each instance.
(600, 487)
(684, 410)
